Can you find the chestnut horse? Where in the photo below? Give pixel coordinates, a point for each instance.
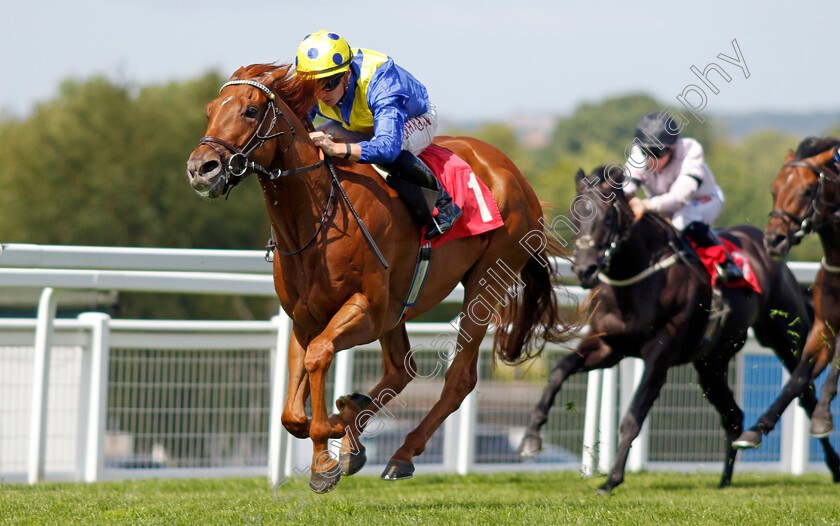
(652, 299)
(806, 198)
(336, 289)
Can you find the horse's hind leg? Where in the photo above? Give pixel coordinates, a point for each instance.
(395, 377)
(716, 390)
(459, 380)
(592, 353)
(821, 422)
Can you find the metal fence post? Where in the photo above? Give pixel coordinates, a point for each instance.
(632, 370)
(97, 403)
(795, 438)
(590, 422)
(607, 430)
(279, 440)
(40, 385)
(800, 445)
(459, 433)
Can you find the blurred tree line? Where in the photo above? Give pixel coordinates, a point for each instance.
(104, 164)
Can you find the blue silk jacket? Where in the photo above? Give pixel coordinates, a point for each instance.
(381, 96)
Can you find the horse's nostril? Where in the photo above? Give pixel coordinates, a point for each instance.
(209, 167)
(591, 270)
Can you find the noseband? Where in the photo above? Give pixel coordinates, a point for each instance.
(799, 227)
(237, 165)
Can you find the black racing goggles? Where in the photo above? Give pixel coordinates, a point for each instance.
(332, 82)
(657, 153)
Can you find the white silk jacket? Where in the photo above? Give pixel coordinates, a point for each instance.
(684, 179)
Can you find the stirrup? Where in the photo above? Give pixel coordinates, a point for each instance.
(440, 223)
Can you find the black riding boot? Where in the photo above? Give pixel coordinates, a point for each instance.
(421, 191)
(704, 237)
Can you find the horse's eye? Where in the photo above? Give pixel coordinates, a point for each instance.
(251, 112)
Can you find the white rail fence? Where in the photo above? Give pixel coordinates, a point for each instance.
(93, 398)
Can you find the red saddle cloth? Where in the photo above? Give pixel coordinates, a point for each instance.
(480, 211)
(716, 255)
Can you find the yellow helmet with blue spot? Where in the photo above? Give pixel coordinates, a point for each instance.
(323, 54)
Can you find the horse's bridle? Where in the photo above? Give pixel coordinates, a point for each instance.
(234, 174)
(240, 162)
(614, 240)
(807, 223)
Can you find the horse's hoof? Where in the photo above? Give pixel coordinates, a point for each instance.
(324, 481)
(821, 427)
(398, 470)
(748, 439)
(530, 446)
(361, 401)
(603, 490)
(352, 462)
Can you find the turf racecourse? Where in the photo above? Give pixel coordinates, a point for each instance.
(520, 499)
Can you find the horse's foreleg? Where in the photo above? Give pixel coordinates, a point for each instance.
(294, 412)
(717, 392)
(657, 362)
(351, 325)
(460, 379)
(395, 354)
(821, 421)
(592, 353)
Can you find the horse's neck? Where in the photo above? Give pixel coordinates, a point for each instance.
(644, 245)
(296, 203)
(830, 240)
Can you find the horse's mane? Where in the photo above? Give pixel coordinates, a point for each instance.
(298, 93)
(615, 173)
(812, 146)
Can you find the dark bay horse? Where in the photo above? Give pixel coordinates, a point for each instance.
(338, 293)
(806, 198)
(653, 302)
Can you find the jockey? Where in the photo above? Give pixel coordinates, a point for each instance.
(382, 115)
(679, 184)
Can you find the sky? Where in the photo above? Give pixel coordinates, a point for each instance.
(479, 59)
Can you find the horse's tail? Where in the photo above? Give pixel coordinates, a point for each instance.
(534, 316)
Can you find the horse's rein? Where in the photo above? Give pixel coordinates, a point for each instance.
(661, 264)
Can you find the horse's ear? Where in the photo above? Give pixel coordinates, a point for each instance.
(790, 157)
(579, 175)
(238, 73)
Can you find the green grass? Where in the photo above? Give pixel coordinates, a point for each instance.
(520, 499)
